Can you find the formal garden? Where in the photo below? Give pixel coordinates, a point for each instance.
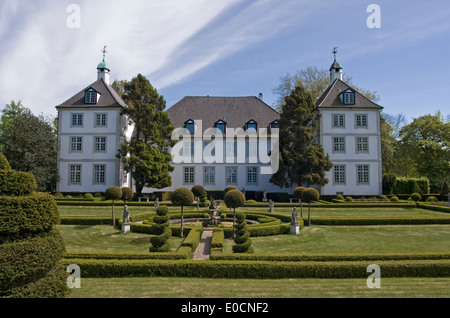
(336, 241)
(189, 244)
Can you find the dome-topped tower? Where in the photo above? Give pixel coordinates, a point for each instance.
(335, 69)
(103, 68)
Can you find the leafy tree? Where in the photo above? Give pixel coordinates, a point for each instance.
(301, 159)
(29, 142)
(113, 193)
(234, 199)
(309, 195)
(389, 181)
(229, 188)
(427, 141)
(316, 81)
(127, 194)
(444, 190)
(145, 155)
(182, 197)
(298, 194)
(198, 191)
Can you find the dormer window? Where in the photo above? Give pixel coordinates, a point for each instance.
(348, 97)
(221, 125)
(91, 96)
(190, 126)
(274, 125)
(251, 126)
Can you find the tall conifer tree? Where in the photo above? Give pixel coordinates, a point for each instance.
(302, 159)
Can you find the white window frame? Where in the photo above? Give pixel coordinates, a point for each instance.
(209, 175)
(98, 143)
(362, 144)
(252, 175)
(76, 144)
(339, 174)
(231, 175)
(362, 174)
(76, 119)
(338, 144)
(99, 174)
(338, 121)
(90, 97)
(75, 174)
(361, 121)
(101, 119)
(188, 175)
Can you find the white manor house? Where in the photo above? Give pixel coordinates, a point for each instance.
(91, 129)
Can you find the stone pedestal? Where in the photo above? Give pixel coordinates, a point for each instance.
(125, 227)
(295, 229)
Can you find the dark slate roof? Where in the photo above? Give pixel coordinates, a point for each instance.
(330, 98)
(235, 111)
(108, 97)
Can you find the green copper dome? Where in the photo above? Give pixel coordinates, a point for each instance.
(103, 65)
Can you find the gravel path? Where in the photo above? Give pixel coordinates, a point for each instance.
(204, 247)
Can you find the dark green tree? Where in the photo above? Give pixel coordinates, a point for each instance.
(234, 199)
(30, 144)
(198, 191)
(444, 191)
(301, 159)
(182, 197)
(113, 193)
(160, 242)
(145, 155)
(309, 195)
(242, 239)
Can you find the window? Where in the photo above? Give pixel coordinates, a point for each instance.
(190, 126)
(339, 174)
(90, 97)
(77, 119)
(189, 175)
(274, 124)
(231, 148)
(76, 144)
(252, 149)
(209, 175)
(363, 174)
(99, 173)
(100, 120)
(209, 148)
(188, 148)
(338, 144)
(349, 98)
(251, 126)
(338, 120)
(75, 174)
(100, 143)
(252, 175)
(361, 121)
(231, 175)
(362, 144)
(222, 126)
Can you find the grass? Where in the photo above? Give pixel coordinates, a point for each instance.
(170, 287)
(86, 238)
(356, 239)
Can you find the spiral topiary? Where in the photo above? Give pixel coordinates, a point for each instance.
(31, 247)
(161, 243)
(242, 239)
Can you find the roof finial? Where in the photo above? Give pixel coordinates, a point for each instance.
(335, 50)
(104, 51)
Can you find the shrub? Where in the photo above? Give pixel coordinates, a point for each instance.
(228, 189)
(88, 196)
(416, 188)
(416, 197)
(348, 199)
(113, 193)
(309, 195)
(444, 191)
(58, 195)
(250, 202)
(204, 200)
(127, 194)
(298, 192)
(389, 181)
(4, 164)
(394, 198)
(405, 185)
(182, 197)
(340, 197)
(242, 239)
(97, 195)
(234, 199)
(382, 197)
(431, 199)
(17, 183)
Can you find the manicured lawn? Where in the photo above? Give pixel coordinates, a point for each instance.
(170, 287)
(356, 239)
(84, 238)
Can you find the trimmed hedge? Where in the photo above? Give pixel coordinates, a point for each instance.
(378, 221)
(17, 183)
(257, 269)
(329, 257)
(405, 185)
(25, 261)
(439, 208)
(124, 255)
(23, 216)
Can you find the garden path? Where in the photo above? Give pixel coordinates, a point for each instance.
(203, 250)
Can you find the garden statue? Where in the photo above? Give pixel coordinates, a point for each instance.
(211, 203)
(271, 204)
(295, 228)
(126, 219)
(264, 196)
(156, 204)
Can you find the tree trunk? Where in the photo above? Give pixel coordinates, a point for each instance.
(309, 215)
(301, 209)
(112, 215)
(197, 203)
(182, 217)
(234, 220)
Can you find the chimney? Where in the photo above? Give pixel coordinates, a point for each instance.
(260, 96)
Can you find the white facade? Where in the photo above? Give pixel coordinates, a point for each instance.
(354, 149)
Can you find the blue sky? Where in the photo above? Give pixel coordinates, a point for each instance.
(225, 48)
